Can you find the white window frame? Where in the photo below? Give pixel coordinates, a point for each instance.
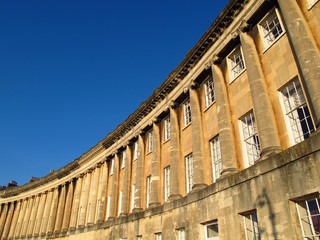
(311, 3)
(150, 141)
(108, 207)
(216, 159)
(297, 114)
(251, 226)
(181, 233)
(166, 132)
(250, 139)
(189, 172)
(158, 236)
(271, 28)
(148, 191)
(207, 230)
(187, 115)
(166, 183)
(139, 237)
(120, 203)
(133, 189)
(123, 159)
(309, 212)
(111, 167)
(135, 150)
(209, 92)
(236, 63)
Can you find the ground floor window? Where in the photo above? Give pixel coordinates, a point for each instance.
(251, 226)
(211, 230)
(309, 216)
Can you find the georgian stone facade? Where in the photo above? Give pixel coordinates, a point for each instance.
(228, 147)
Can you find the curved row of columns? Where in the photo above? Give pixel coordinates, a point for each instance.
(83, 201)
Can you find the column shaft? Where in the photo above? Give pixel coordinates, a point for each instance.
(84, 200)
(46, 214)
(126, 183)
(264, 115)
(68, 206)
(114, 188)
(93, 196)
(60, 212)
(4, 213)
(102, 198)
(75, 205)
(53, 211)
(20, 219)
(155, 167)
(139, 176)
(26, 219)
(39, 214)
(197, 140)
(33, 216)
(8, 222)
(306, 52)
(14, 220)
(226, 134)
(174, 154)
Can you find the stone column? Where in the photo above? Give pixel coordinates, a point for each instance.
(84, 200)
(197, 139)
(306, 53)
(114, 188)
(174, 153)
(46, 214)
(20, 219)
(39, 215)
(93, 195)
(155, 165)
(102, 197)
(139, 176)
(14, 220)
(264, 115)
(8, 223)
(53, 211)
(76, 203)
(126, 183)
(68, 206)
(4, 212)
(60, 211)
(33, 216)
(226, 131)
(26, 219)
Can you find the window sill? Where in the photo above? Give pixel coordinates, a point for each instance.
(186, 126)
(234, 78)
(209, 106)
(268, 47)
(165, 141)
(312, 5)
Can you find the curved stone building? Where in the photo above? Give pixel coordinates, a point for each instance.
(226, 148)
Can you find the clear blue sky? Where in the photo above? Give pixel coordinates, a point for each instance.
(72, 71)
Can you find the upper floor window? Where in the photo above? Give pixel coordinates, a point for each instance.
(133, 189)
(148, 191)
(158, 236)
(112, 166)
(236, 63)
(166, 184)
(209, 92)
(311, 3)
(250, 138)
(271, 28)
(189, 172)
(216, 158)
(166, 129)
(150, 141)
(251, 226)
(181, 233)
(211, 230)
(123, 159)
(135, 150)
(297, 113)
(309, 216)
(187, 112)
(120, 203)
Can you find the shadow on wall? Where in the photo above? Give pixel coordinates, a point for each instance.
(264, 201)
